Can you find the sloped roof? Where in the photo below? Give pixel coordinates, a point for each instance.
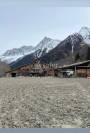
(75, 64)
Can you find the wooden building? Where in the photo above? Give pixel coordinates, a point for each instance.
(34, 69)
(80, 69)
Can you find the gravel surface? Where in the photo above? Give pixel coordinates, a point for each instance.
(28, 102)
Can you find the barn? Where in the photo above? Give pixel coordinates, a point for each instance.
(80, 69)
(34, 69)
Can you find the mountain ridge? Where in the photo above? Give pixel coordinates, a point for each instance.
(44, 46)
(73, 48)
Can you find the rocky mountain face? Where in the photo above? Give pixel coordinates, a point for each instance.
(39, 50)
(67, 48)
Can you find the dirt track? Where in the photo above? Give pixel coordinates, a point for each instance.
(44, 102)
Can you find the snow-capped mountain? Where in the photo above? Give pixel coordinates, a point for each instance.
(15, 53)
(85, 32)
(45, 46)
(65, 50)
(46, 43)
(61, 52)
(18, 51)
(40, 49)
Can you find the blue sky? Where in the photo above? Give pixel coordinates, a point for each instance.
(23, 24)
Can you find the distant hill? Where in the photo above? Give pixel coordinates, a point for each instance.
(3, 68)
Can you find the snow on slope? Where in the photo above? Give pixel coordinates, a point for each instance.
(18, 51)
(41, 48)
(9, 59)
(47, 43)
(15, 53)
(45, 46)
(85, 32)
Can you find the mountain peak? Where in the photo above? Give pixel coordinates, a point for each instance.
(84, 27)
(46, 38)
(85, 32)
(45, 45)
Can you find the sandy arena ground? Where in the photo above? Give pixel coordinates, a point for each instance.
(44, 102)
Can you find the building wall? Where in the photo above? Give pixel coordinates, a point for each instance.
(82, 72)
(36, 67)
(50, 72)
(88, 72)
(8, 74)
